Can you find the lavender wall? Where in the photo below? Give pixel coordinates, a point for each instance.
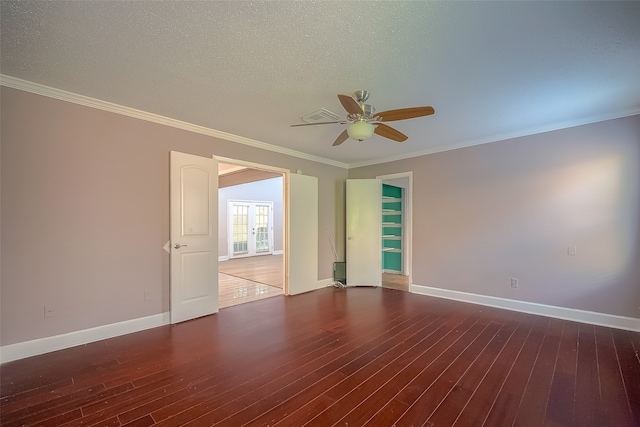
(85, 213)
(511, 209)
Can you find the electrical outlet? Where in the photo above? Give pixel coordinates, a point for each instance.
(514, 283)
(48, 311)
(147, 296)
(572, 250)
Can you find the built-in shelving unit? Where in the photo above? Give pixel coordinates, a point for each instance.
(391, 228)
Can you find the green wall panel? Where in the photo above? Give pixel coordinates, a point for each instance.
(391, 260)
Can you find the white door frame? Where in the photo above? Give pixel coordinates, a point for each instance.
(407, 218)
(250, 252)
(285, 207)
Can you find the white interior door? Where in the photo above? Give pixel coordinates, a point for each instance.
(364, 232)
(302, 250)
(194, 236)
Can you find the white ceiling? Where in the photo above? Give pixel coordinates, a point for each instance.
(491, 70)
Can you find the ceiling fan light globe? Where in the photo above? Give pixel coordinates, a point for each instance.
(360, 130)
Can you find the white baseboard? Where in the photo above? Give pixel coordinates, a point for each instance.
(71, 339)
(323, 283)
(21, 350)
(277, 252)
(223, 258)
(583, 316)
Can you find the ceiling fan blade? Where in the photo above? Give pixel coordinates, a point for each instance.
(389, 132)
(405, 113)
(341, 138)
(350, 104)
(319, 123)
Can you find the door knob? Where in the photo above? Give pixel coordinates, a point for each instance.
(178, 246)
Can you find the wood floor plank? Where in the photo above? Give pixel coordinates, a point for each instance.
(341, 357)
(323, 378)
(69, 410)
(214, 406)
(270, 366)
(365, 401)
(147, 394)
(630, 368)
(397, 345)
(92, 420)
(22, 400)
(447, 412)
(425, 372)
(505, 407)
(536, 393)
(198, 376)
(145, 421)
(635, 341)
(433, 395)
(588, 404)
(60, 403)
(561, 402)
(617, 409)
(479, 405)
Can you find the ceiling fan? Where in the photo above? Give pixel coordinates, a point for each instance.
(364, 121)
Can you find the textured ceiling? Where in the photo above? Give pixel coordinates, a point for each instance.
(490, 69)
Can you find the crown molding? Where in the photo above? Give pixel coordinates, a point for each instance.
(497, 138)
(38, 89)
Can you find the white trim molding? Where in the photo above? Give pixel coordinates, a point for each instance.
(38, 89)
(250, 165)
(500, 137)
(58, 342)
(323, 283)
(583, 316)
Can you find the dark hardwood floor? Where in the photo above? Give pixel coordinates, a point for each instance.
(343, 357)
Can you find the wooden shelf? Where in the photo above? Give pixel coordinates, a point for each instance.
(392, 217)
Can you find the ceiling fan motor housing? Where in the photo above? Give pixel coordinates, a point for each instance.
(361, 96)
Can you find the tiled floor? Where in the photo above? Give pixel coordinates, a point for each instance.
(248, 279)
(235, 290)
(253, 278)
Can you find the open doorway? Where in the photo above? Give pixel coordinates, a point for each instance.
(396, 230)
(251, 241)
